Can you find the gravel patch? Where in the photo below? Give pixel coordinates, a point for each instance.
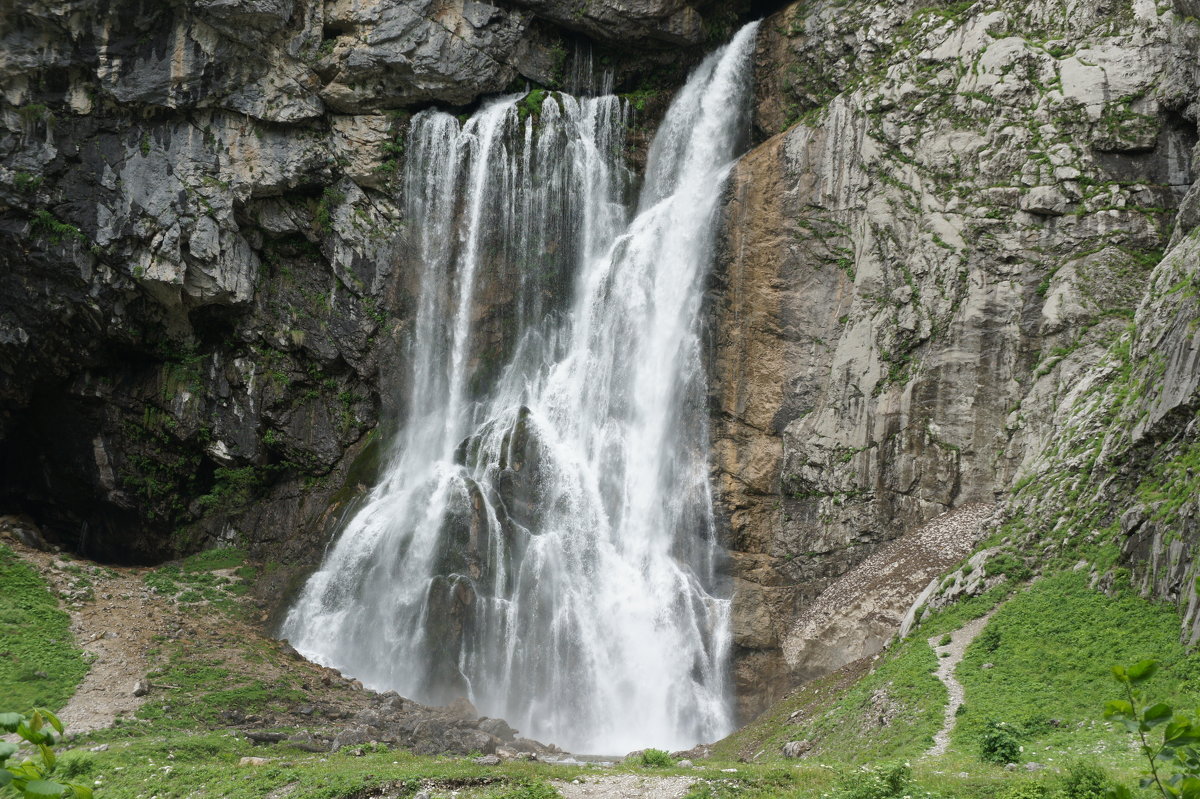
(892, 577)
(626, 786)
(949, 656)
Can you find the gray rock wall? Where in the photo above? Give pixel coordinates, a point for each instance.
(942, 278)
(954, 214)
(204, 289)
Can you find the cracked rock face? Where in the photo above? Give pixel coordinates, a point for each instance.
(950, 219)
(942, 272)
(205, 286)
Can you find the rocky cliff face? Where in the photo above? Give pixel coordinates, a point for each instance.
(956, 210)
(204, 288)
(942, 278)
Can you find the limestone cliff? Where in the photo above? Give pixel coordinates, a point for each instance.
(203, 283)
(942, 281)
(955, 211)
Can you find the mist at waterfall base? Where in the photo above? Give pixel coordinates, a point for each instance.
(543, 542)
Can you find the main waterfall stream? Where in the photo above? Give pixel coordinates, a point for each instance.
(542, 542)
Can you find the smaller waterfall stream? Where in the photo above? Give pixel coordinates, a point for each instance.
(543, 541)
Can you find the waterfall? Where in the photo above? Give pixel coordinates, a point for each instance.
(542, 542)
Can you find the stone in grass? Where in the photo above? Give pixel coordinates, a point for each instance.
(253, 761)
(796, 748)
(306, 742)
(488, 760)
(141, 688)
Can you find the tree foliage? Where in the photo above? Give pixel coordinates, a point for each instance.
(1168, 739)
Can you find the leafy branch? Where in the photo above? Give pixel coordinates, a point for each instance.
(31, 778)
(1176, 750)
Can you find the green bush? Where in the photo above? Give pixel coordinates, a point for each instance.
(75, 764)
(1000, 743)
(885, 781)
(656, 758)
(1085, 780)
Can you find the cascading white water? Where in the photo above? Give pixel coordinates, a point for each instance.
(543, 540)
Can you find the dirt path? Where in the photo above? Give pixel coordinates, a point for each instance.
(116, 628)
(626, 786)
(959, 641)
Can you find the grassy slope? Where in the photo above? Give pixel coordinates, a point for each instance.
(839, 714)
(852, 716)
(1051, 648)
(179, 765)
(40, 666)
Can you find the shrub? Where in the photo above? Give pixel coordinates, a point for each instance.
(1085, 780)
(46, 225)
(885, 781)
(1000, 743)
(656, 758)
(75, 764)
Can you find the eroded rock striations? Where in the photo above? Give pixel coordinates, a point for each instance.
(954, 213)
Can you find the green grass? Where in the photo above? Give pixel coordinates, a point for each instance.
(1051, 648)
(847, 723)
(207, 683)
(40, 666)
(192, 581)
(179, 764)
(902, 684)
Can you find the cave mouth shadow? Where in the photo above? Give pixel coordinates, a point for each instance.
(761, 9)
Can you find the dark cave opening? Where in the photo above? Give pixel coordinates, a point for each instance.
(760, 9)
(49, 471)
